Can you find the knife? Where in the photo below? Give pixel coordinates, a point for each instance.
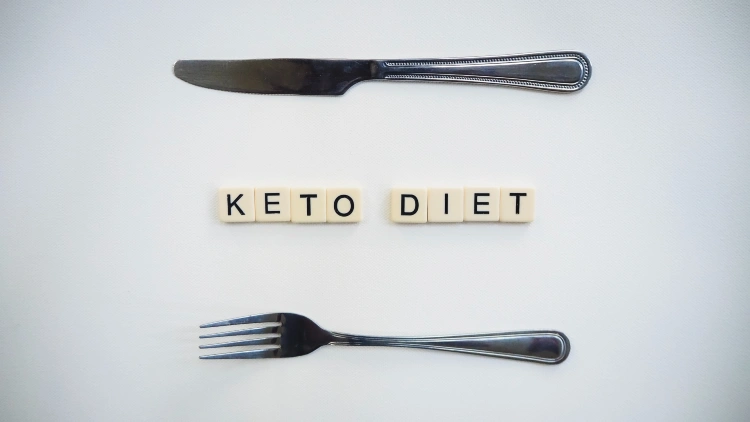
(561, 71)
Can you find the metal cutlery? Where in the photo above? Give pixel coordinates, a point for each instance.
(287, 335)
(561, 71)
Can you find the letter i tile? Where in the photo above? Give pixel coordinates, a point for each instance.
(445, 205)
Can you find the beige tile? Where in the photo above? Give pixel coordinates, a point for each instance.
(308, 205)
(445, 205)
(409, 205)
(236, 205)
(272, 204)
(481, 203)
(517, 205)
(343, 205)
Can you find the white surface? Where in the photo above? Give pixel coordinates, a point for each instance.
(111, 252)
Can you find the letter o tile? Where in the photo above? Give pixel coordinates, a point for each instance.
(343, 205)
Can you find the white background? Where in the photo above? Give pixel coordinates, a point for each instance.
(111, 253)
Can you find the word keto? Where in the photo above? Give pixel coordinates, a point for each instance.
(298, 205)
(454, 205)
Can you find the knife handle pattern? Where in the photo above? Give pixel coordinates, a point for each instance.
(558, 71)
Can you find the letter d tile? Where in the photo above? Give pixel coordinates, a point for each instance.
(409, 205)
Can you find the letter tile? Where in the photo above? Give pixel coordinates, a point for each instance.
(308, 205)
(236, 205)
(272, 204)
(445, 205)
(409, 205)
(343, 205)
(517, 205)
(481, 204)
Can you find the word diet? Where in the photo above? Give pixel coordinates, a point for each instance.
(408, 205)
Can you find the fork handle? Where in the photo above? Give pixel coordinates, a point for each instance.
(549, 347)
(564, 71)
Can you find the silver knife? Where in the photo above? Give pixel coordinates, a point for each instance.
(561, 71)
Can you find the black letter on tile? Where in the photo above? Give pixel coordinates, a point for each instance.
(477, 203)
(308, 196)
(518, 201)
(403, 204)
(272, 203)
(231, 204)
(446, 204)
(336, 205)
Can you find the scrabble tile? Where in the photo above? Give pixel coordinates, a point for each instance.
(517, 205)
(481, 203)
(308, 205)
(343, 205)
(409, 205)
(272, 204)
(445, 205)
(236, 205)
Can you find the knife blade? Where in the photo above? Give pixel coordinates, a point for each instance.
(562, 71)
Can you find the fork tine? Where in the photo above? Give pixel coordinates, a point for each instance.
(245, 342)
(258, 330)
(245, 354)
(250, 319)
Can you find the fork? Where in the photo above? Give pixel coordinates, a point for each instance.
(291, 335)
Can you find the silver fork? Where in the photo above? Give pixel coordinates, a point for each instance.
(291, 335)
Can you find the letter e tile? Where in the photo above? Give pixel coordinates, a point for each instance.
(481, 204)
(272, 204)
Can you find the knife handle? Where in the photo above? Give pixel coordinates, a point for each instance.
(563, 71)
